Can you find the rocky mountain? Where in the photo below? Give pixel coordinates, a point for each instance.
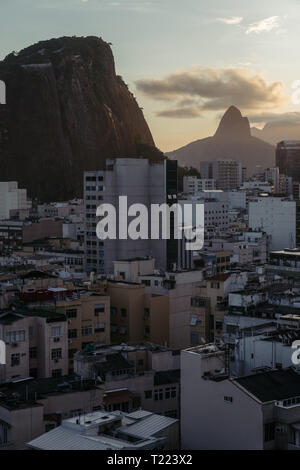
(66, 111)
(233, 140)
(274, 132)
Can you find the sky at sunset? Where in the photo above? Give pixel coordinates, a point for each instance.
(185, 61)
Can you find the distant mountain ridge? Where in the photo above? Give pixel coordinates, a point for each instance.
(233, 140)
(274, 132)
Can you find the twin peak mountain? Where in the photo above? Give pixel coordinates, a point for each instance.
(232, 140)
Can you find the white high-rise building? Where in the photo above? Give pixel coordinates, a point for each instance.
(193, 185)
(143, 182)
(277, 217)
(227, 173)
(11, 198)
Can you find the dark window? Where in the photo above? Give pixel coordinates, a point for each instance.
(123, 312)
(56, 373)
(148, 394)
(33, 353)
(71, 353)
(194, 338)
(269, 432)
(171, 414)
(56, 353)
(146, 313)
(15, 359)
(72, 334)
(33, 372)
(158, 394)
(99, 309)
(113, 311)
(72, 313)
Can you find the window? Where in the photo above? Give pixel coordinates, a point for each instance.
(113, 311)
(228, 399)
(148, 394)
(33, 353)
(56, 332)
(215, 285)
(147, 331)
(123, 312)
(86, 330)
(99, 327)
(56, 373)
(31, 331)
(3, 433)
(99, 308)
(158, 394)
(194, 338)
(171, 414)
(171, 392)
(15, 360)
(146, 313)
(193, 321)
(269, 432)
(71, 353)
(72, 334)
(56, 353)
(72, 313)
(15, 336)
(147, 282)
(33, 372)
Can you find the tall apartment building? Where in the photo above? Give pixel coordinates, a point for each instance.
(227, 173)
(87, 313)
(12, 198)
(193, 185)
(208, 306)
(142, 181)
(277, 217)
(36, 344)
(179, 287)
(288, 158)
(137, 315)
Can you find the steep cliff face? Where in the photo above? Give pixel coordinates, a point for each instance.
(66, 112)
